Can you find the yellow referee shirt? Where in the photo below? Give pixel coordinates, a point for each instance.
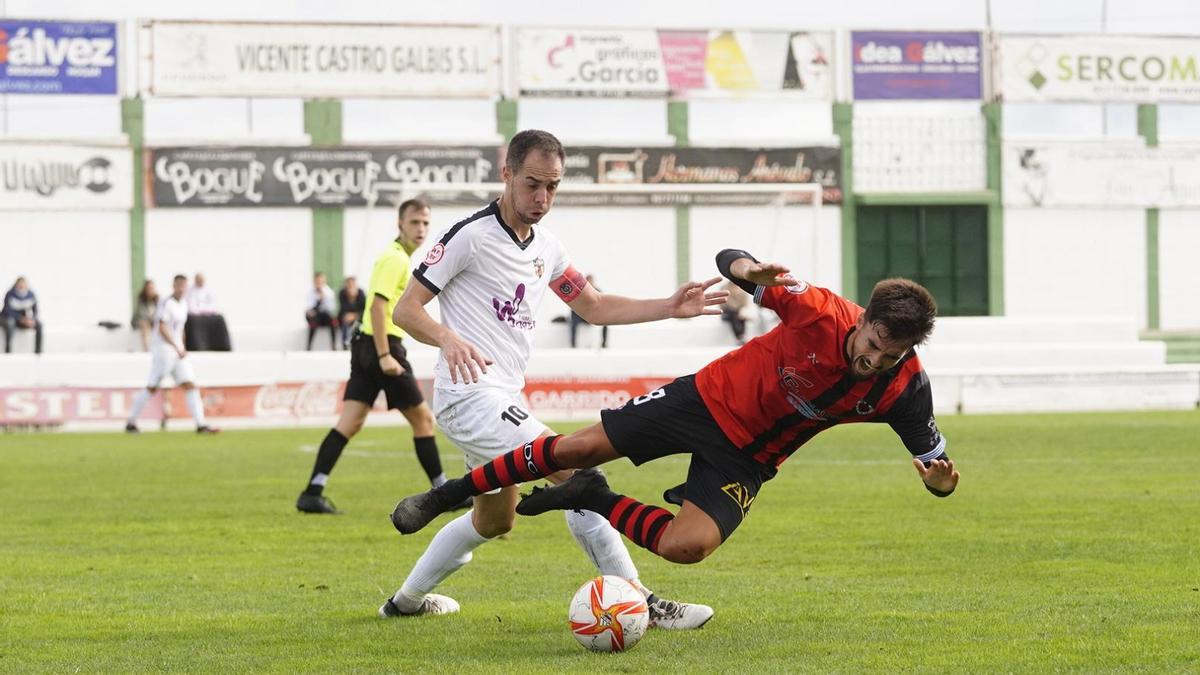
(389, 278)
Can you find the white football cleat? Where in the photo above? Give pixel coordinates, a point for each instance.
(432, 604)
(671, 615)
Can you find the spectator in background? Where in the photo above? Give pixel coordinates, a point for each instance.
(352, 302)
(21, 313)
(144, 308)
(734, 310)
(576, 320)
(200, 298)
(319, 311)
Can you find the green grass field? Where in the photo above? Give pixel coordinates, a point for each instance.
(1073, 543)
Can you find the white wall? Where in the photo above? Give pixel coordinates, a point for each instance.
(786, 235)
(84, 118)
(1075, 262)
(448, 121)
(224, 121)
(76, 262)
(1178, 273)
(717, 122)
(598, 121)
(258, 262)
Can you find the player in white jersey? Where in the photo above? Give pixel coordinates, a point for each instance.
(490, 273)
(170, 356)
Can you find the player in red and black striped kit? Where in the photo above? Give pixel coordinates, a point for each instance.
(828, 362)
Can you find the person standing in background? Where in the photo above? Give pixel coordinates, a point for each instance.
(379, 362)
(200, 298)
(351, 305)
(21, 313)
(144, 307)
(319, 312)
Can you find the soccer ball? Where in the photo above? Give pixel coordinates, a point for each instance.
(608, 614)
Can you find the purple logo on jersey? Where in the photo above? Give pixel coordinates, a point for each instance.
(506, 310)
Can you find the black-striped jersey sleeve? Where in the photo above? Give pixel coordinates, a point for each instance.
(911, 417)
(451, 254)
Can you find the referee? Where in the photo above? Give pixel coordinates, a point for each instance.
(378, 361)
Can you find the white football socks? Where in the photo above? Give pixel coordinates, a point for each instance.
(449, 550)
(195, 406)
(602, 544)
(139, 401)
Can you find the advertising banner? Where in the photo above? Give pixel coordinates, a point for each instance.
(1098, 175)
(322, 60)
(649, 63)
(917, 65)
(289, 402)
(57, 57)
(266, 176)
(699, 166)
(1098, 68)
(65, 177)
(275, 176)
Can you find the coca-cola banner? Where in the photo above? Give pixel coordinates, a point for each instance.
(277, 176)
(36, 176)
(697, 167)
(288, 402)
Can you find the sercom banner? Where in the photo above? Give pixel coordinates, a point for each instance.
(322, 60)
(917, 65)
(65, 177)
(1098, 175)
(649, 63)
(266, 176)
(1097, 68)
(57, 57)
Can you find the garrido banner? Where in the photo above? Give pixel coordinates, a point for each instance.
(65, 177)
(649, 63)
(1098, 175)
(322, 60)
(1097, 68)
(265, 176)
(57, 57)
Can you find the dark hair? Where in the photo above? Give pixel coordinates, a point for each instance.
(144, 295)
(904, 310)
(532, 139)
(180, 276)
(414, 203)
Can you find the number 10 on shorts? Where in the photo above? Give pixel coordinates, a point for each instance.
(515, 415)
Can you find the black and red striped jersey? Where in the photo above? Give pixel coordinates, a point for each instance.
(779, 390)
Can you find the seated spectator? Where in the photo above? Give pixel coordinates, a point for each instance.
(21, 313)
(320, 310)
(200, 298)
(352, 302)
(144, 308)
(735, 310)
(576, 320)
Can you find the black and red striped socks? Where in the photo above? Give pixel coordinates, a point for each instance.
(643, 524)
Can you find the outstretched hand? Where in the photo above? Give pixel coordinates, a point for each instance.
(939, 475)
(694, 299)
(768, 274)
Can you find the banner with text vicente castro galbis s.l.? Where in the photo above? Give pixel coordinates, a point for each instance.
(916, 65)
(57, 57)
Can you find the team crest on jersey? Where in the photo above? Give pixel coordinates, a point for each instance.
(435, 254)
(863, 408)
(539, 267)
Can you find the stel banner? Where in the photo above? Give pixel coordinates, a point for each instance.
(699, 166)
(1101, 175)
(916, 65)
(44, 177)
(289, 402)
(649, 63)
(57, 57)
(322, 60)
(1098, 68)
(266, 176)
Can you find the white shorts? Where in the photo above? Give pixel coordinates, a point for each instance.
(167, 361)
(485, 423)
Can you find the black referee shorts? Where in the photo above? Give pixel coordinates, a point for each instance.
(722, 481)
(367, 377)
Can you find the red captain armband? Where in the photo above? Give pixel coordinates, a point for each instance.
(569, 285)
